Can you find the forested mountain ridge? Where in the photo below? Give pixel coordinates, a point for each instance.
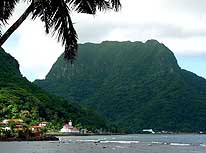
(137, 85)
(19, 98)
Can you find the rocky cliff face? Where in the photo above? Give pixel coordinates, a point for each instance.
(137, 85)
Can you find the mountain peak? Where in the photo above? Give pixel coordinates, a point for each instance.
(137, 85)
(9, 66)
(152, 41)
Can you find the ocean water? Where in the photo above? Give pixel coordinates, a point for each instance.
(192, 139)
(187, 143)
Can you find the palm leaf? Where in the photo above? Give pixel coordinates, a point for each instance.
(91, 6)
(6, 9)
(56, 16)
(116, 5)
(63, 26)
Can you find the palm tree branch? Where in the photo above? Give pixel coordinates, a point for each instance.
(41, 9)
(91, 6)
(62, 23)
(6, 9)
(116, 5)
(15, 25)
(56, 15)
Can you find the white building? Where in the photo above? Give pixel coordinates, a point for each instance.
(6, 121)
(43, 124)
(148, 130)
(68, 128)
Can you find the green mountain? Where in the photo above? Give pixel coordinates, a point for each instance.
(136, 85)
(19, 98)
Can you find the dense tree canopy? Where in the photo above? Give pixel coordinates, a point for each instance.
(20, 99)
(136, 85)
(56, 16)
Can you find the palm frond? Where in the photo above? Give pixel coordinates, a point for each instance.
(116, 5)
(91, 6)
(56, 16)
(41, 9)
(83, 6)
(63, 26)
(103, 5)
(6, 9)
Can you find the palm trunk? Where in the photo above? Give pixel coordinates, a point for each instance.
(8, 33)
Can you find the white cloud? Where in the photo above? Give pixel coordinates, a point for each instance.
(179, 24)
(141, 20)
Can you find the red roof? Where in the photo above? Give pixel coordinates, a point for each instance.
(36, 127)
(2, 123)
(68, 126)
(20, 129)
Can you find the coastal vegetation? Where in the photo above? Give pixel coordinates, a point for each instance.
(136, 85)
(17, 129)
(20, 99)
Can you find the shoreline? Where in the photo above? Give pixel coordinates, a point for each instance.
(106, 134)
(40, 138)
(80, 134)
(54, 136)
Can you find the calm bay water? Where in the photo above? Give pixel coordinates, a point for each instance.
(189, 143)
(193, 139)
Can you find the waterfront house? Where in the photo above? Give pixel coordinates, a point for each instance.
(2, 124)
(16, 121)
(43, 124)
(36, 128)
(148, 131)
(68, 128)
(18, 124)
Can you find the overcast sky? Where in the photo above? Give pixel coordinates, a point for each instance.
(179, 24)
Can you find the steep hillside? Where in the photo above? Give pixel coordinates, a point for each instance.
(137, 85)
(21, 99)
